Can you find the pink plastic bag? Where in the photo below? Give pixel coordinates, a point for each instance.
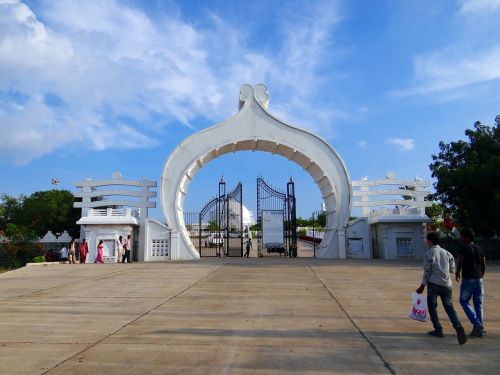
(419, 309)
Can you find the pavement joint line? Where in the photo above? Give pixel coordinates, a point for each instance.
(386, 364)
(63, 285)
(5, 343)
(135, 319)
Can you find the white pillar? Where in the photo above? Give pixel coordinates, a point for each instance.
(174, 245)
(365, 209)
(342, 245)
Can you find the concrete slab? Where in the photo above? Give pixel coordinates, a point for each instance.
(232, 316)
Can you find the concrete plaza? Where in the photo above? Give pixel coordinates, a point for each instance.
(232, 316)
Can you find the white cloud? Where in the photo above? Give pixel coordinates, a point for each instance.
(472, 6)
(403, 144)
(471, 59)
(363, 144)
(448, 70)
(118, 75)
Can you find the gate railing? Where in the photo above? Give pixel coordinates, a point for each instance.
(270, 198)
(217, 229)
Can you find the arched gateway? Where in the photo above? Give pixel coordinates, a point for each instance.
(254, 128)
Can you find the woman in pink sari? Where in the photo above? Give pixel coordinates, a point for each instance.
(100, 252)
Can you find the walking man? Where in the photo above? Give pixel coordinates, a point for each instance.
(439, 266)
(248, 246)
(471, 268)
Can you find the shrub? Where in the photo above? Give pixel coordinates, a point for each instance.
(38, 259)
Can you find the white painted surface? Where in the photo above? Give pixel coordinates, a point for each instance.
(101, 220)
(359, 229)
(368, 196)
(254, 128)
(387, 234)
(387, 219)
(108, 233)
(157, 247)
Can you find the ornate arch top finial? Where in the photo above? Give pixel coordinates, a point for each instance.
(258, 93)
(261, 95)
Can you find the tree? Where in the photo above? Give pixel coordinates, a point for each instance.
(255, 227)
(322, 219)
(9, 209)
(40, 212)
(468, 178)
(435, 212)
(213, 225)
(50, 210)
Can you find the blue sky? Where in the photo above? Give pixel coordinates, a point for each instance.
(88, 88)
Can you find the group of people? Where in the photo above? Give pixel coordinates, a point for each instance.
(439, 269)
(123, 249)
(66, 254)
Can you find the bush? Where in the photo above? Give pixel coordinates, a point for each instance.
(38, 259)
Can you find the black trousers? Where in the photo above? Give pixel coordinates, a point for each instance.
(126, 256)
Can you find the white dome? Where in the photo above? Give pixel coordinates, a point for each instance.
(248, 218)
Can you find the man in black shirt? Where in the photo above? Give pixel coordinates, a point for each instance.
(472, 266)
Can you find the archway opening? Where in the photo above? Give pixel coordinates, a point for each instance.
(245, 167)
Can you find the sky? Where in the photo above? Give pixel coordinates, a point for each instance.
(90, 88)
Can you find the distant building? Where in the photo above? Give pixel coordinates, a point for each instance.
(392, 222)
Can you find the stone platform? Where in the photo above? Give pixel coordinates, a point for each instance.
(232, 316)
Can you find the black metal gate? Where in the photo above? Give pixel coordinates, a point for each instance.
(217, 230)
(274, 203)
(234, 222)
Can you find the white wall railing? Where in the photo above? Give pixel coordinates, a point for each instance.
(121, 212)
(402, 193)
(395, 211)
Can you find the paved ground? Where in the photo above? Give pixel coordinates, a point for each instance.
(237, 316)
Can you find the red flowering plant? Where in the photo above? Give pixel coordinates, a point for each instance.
(19, 245)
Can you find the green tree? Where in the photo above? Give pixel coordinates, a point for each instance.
(322, 219)
(40, 212)
(435, 212)
(9, 209)
(468, 178)
(50, 210)
(213, 225)
(255, 227)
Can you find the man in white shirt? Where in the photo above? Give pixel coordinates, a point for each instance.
(64, 254)
(439, 267)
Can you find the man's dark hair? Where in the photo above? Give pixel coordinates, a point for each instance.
(468, 233)
(433, 237)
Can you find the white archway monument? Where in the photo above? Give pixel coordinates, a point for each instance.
(253, 128)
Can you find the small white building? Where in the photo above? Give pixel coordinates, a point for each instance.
(392, 221)
(106, 216)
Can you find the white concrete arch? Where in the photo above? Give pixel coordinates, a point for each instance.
(254, 128)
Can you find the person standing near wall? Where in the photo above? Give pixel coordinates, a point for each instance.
(119, 246)
(471, 268)
(126, 247)
(84, 250)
